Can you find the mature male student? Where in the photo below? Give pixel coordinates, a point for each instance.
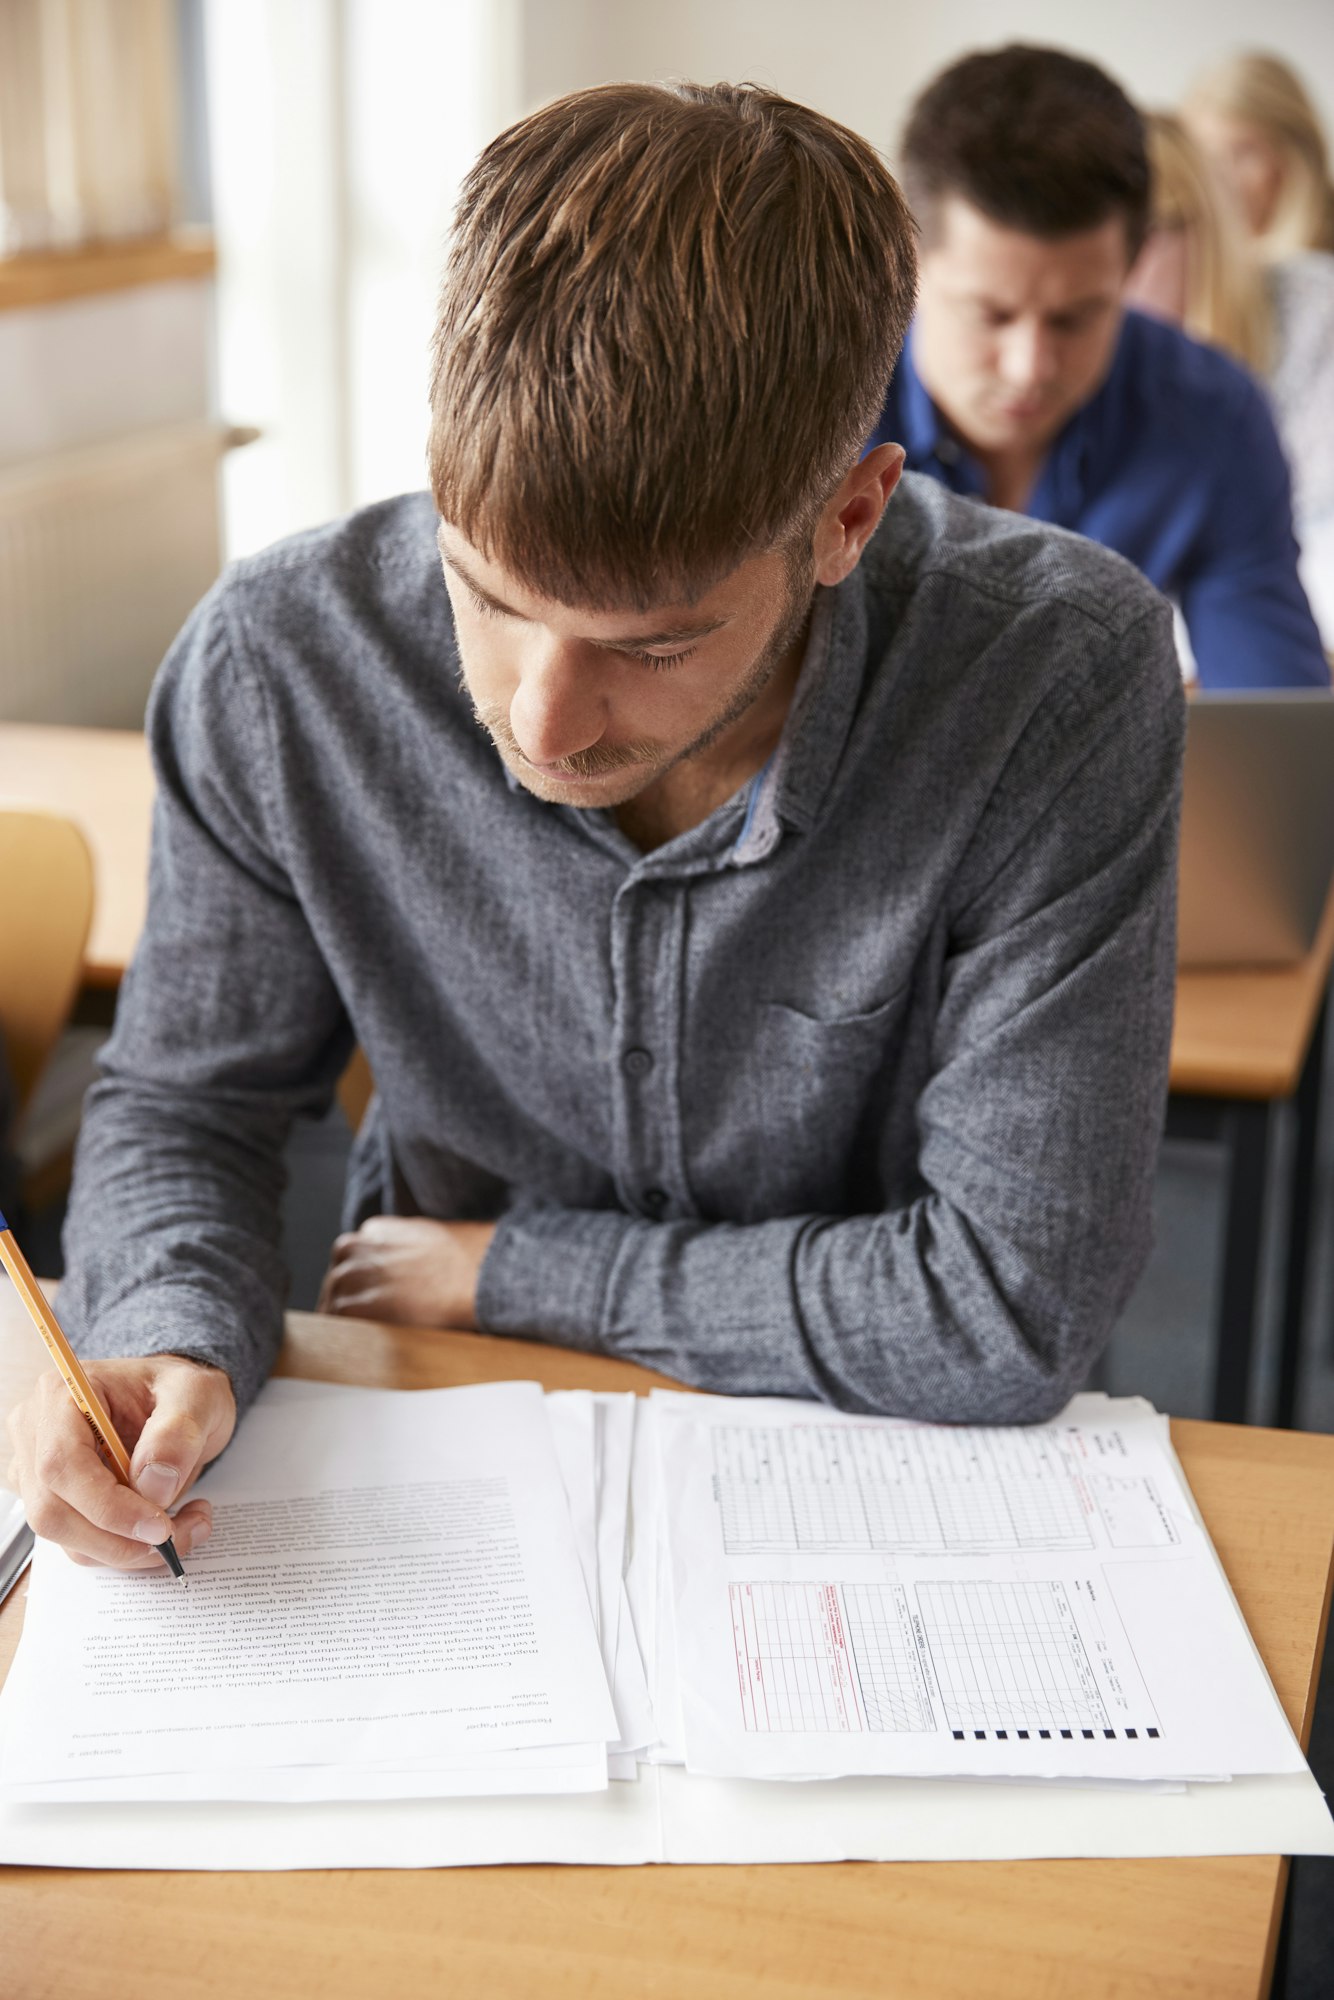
(1024, 382)
(776, 986)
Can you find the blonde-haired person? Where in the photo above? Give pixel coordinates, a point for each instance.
(1256, 123)
(1199, 269)
(1195, 268)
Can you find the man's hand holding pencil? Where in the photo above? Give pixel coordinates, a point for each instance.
(173, 1416)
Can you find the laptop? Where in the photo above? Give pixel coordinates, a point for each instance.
(1257, 833)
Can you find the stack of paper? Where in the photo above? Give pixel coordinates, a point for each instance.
(394, 1603)
(857, 1597)
(426, 1621)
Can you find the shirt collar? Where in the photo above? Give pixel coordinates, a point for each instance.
(790, 790)
(761, 830)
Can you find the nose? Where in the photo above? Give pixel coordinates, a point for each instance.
(1028, 356)
(558, 708)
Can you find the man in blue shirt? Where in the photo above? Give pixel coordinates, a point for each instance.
(1025, 383)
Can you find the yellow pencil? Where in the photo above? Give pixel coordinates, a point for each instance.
(76, 1381)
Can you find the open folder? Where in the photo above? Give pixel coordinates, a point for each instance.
(460, 1625)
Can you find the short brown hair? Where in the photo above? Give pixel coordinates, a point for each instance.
(668, 320)
(1039, 141)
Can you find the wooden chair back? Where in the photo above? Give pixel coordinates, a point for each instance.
(46, 907)
(355, 1087)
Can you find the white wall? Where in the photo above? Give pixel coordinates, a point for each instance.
(89, 369)
(863, 61)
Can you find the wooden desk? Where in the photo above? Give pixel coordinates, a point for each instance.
(1244, 1042)
(1245, 1033)
(1102, 1930)
(102, 780)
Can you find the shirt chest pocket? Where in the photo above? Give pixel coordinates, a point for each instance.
(822, 1076)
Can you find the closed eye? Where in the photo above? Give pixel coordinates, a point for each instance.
(661, 662)
(658, 662)
(483, 604)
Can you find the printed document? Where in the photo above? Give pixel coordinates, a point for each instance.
(395, 1592)
(860, 1596)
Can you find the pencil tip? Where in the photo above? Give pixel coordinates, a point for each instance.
(185, 1580)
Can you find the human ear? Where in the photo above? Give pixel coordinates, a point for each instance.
(853, 513)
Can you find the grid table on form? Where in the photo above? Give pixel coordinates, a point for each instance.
(827, 1657)
(844, 1486)
(795, 1668)
(1009, 1659)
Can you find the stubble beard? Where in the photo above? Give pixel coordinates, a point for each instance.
(647, 759)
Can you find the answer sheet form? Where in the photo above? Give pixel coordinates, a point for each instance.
(863, 1596)
(401, 1591)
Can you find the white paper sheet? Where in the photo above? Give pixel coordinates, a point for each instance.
(572, 1415)
(669, 1816)
(373, 1593)
(634, 1706)
(648, 1592)
(859, 1596)
(573, 1418)
(593, 1436)
(641, 1542)
(634, 1709)
(615, 1434)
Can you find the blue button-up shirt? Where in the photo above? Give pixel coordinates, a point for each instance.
(1175, 464)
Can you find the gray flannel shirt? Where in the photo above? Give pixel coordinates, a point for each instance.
(852, 1092)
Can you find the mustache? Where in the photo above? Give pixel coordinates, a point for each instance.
(595, 762)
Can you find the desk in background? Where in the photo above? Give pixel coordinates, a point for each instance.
(1244, 1041)
(1099, 1929)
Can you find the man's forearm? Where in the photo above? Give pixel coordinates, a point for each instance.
(908, 1313)
(172, 1240)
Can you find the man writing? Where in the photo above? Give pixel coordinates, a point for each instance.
(776, 987)
(1025, 383)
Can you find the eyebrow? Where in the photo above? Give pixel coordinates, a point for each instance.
(631, 642)
(1058, 312)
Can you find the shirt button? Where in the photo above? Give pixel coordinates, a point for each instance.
(947, 451)
(637, 1062)
(655, 1200)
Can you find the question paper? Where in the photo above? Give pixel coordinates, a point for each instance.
(394, 1592)
(868, 1596)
